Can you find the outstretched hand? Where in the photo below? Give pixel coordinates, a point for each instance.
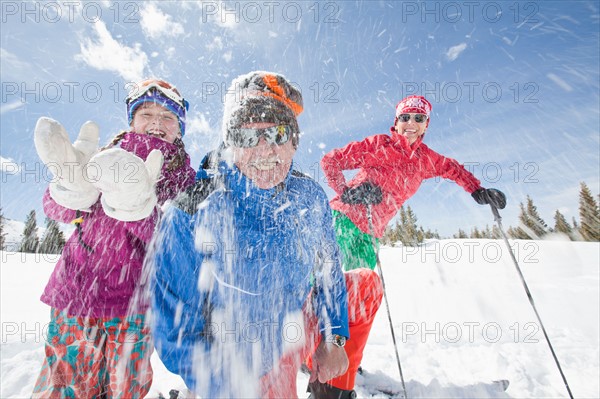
(366, 193)
(71, 186)
(127, 182)
(329, 361)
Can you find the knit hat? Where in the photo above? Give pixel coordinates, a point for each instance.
(413, 104)
(161, 93)
(261, 97)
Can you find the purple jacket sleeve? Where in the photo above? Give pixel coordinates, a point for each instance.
(55, 211)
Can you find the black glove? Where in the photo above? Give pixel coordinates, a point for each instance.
(491, 196)
(365, 193)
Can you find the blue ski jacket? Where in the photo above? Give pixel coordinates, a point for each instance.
(232, 276)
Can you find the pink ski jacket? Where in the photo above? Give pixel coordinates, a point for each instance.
(100, 268)
(397, 167)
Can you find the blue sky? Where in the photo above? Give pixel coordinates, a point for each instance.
(514, 85)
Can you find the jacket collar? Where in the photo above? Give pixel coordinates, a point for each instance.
(142, 144)
(402, 142)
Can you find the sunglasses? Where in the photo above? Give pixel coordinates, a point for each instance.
(165, 88)
(419, 118)
(245, 137)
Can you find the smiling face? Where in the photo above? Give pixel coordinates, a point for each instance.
(153, 119)
(266, 164)
(411, 130)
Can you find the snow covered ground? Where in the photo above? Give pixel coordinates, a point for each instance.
(461, 317)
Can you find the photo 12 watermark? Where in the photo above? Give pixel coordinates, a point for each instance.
(517, 12)
(326, 12)
(474, 91)
(53, 12)
(468, 332)
(91, 92)
(458, 252)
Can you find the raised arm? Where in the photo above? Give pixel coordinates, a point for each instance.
(352, 156)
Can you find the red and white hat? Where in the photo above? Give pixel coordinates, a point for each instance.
(413, 104)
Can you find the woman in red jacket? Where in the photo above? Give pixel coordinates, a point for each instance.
(391, 169)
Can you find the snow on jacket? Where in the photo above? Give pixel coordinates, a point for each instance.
(232, 278)
(99, 281)
(395, 166)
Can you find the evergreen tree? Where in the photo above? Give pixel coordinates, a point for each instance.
(2, 233)
(589, 215)
(461, 234)
(431, 234)
(475, 233)
(561, 225)
(53, 240)
(390, 235)
(523, 232)
(488, 232)
(537, 225)
(496, 233)
(30, 241)
(531, 224)
(409, 234)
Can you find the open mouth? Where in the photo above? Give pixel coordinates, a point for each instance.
(266, 164)
(156, 133)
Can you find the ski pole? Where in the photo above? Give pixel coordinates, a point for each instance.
(498, 220)
(387, 306)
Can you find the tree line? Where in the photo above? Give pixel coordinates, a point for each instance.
(52, 241)
(406, 230)
(531, 225)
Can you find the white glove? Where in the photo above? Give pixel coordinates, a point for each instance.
(71, 187)
(127, 183)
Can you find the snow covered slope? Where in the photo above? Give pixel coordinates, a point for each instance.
(461, 317)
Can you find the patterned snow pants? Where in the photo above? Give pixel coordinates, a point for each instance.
(95, 358)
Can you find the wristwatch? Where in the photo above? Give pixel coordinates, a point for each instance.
(338, 340)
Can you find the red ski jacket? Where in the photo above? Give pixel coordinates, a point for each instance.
(395, 166)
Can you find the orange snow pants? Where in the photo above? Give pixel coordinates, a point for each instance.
(365, 292)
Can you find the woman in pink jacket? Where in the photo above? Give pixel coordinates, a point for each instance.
(390, 170)
(98, 342)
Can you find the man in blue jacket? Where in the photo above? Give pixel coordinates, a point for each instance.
(247, 276)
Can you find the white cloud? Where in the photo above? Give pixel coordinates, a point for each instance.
(9, 166)
(15, 69)
(12, 60)
(198, 124)
(228, 56)
(156, 23)
(217, 44)
(455, 51)
(108, 54)
(170, 52)
(11, 106)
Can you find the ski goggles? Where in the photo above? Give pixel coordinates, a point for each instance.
(419, 118)
(244, 137)
(165, 88)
